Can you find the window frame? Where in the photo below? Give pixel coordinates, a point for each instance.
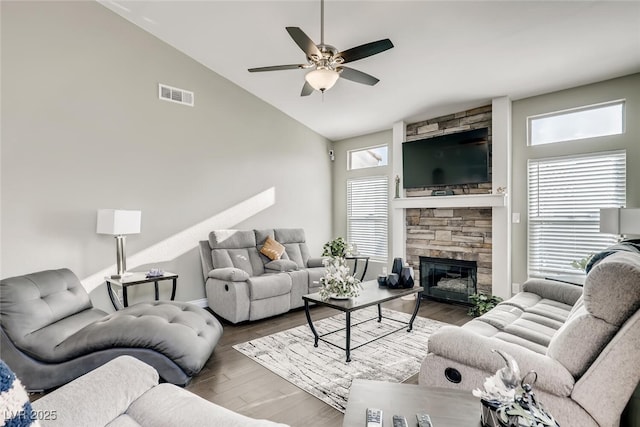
(580, 223)
(384, 186)
(349, 152)
(590, 107)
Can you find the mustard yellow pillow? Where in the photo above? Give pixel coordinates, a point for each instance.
(272, 249)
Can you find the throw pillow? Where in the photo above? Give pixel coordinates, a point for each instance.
(272, 249)
(14, 401)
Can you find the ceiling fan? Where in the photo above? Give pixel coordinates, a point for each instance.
(326, 62)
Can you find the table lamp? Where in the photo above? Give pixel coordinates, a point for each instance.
(620, 221)
(119, 223)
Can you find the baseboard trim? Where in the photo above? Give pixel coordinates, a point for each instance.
(202, 302)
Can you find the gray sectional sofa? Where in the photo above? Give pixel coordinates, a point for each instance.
(584, 343)
(125, 393)
(243, 284)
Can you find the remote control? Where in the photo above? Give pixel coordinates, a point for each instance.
(400, 421)
(424, 420)
(374, 417)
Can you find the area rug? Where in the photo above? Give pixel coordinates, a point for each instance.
(323, 371)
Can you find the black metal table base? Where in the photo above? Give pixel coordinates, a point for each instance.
(347, 348)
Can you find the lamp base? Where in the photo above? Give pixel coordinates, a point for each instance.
(120, 276)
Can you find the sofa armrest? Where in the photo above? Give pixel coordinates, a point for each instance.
(229, 274)
(167, 405)
(99, 396)
(281, 265)
(553, 290)
(316, 262)
(453, 342)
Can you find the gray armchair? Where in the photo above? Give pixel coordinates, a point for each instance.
(50, 333)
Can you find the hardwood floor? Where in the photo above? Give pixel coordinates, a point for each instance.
(236, 382)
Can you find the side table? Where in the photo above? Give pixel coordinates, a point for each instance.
(137, 278)
(446, 407)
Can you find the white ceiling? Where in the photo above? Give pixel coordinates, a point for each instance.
(448, 55)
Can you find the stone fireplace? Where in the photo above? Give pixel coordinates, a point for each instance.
(460, 234)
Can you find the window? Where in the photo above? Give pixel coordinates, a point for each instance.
(368, 157)
(579, 123)
(565, 197)
(367, 215)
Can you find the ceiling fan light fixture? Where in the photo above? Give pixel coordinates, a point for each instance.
(322, 79)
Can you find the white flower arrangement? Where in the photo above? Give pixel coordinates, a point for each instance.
(337, 281)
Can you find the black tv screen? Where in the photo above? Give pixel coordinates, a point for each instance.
(454, 159)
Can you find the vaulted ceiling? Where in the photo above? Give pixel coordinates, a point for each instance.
(448, 55)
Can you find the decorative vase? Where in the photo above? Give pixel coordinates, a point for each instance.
(397, 266)
(382, 281)
(393, 281)
(406, 277)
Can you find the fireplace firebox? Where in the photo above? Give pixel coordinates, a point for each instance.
(448, 280)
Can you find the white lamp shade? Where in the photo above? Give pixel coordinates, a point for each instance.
(118, 222)
(620, 220)
(322, 79)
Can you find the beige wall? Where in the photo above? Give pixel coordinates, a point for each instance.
(83, 129)
(622, 88)
(341, 175)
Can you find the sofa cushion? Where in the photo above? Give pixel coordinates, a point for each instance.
(295, 245)
(555, 310)
(232, 239)
(281, 265)
(501, 315)
(579, 341)
(272, 249)
(269, 285)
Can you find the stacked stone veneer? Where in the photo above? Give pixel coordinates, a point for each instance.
(454, 233)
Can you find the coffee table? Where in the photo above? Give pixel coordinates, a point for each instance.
(371, 294)
(446, 407)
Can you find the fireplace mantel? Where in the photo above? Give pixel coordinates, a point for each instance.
(460, 201)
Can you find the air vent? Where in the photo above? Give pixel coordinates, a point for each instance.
(173, 94)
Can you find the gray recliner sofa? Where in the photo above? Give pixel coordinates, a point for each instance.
(50, 333)
(584, 343)
(243, 284)
(125, 393)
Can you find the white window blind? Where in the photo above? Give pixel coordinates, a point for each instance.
(367, 215)
(565, 197)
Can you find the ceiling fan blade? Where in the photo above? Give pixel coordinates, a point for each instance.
(357, 76)
(307, 89)
(276, 68)
(305, 43)
(365, 50)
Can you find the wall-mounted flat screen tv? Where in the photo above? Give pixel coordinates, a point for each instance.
(454, 159)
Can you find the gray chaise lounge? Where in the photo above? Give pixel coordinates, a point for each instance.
(243, 284)
(50, 332)
(583, 343)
